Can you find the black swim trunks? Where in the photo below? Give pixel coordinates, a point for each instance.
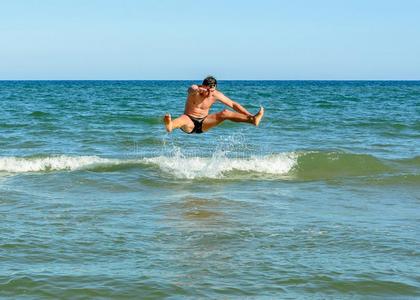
(198, 124)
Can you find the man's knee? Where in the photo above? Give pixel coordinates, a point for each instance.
(222, 115)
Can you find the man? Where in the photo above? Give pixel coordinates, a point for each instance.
(196, 118)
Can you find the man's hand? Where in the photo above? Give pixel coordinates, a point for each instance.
(203, 89)
(198, 89)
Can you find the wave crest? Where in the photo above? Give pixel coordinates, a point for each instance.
(50, 163)
(217, 165)
(290, 165)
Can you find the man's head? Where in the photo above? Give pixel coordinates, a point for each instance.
(210, 82)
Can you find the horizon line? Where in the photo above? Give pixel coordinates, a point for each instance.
(217, 79)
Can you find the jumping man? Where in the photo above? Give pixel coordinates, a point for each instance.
(196, 118)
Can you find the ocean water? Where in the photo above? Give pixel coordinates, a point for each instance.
(321, 201)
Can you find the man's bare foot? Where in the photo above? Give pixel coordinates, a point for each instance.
(168, 122)
(258, 116)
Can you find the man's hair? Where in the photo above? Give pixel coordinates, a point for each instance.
(210, 81)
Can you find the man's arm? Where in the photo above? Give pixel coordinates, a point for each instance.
(236, 106)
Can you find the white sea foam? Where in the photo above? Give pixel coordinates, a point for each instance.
(218, 165)
(176, 165)
(52, 163)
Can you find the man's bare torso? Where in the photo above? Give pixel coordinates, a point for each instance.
(198, 105)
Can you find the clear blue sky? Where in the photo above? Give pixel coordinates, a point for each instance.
(232, 39)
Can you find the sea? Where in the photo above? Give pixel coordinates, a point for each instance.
(321, 201)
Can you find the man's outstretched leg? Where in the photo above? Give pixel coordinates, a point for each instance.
(177, 123)
(217, 118)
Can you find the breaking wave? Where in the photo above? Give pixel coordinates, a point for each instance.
(51, 163)
(218, 165)
(290, 165)
(177, 165)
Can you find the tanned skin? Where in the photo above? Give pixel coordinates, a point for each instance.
(199, 101)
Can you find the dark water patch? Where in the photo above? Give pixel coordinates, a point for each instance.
(104, 184)
(215, 204)
(198, 214)
(159, 182)
(14, 125)
(373, 287)
(193, 202)
(385, 124)
(321, 165)
(193, 215)
(396, 180)
(6, 199)
(87, 287)
(31, 144)
(40, 114)
(327, 104)
(401, 135)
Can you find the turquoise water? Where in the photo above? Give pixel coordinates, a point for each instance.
(319, 202)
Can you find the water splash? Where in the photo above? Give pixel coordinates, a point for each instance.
(219, 164)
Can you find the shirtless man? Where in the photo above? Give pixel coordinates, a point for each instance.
(196, 118)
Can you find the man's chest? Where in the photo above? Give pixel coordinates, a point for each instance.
(202, 102)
